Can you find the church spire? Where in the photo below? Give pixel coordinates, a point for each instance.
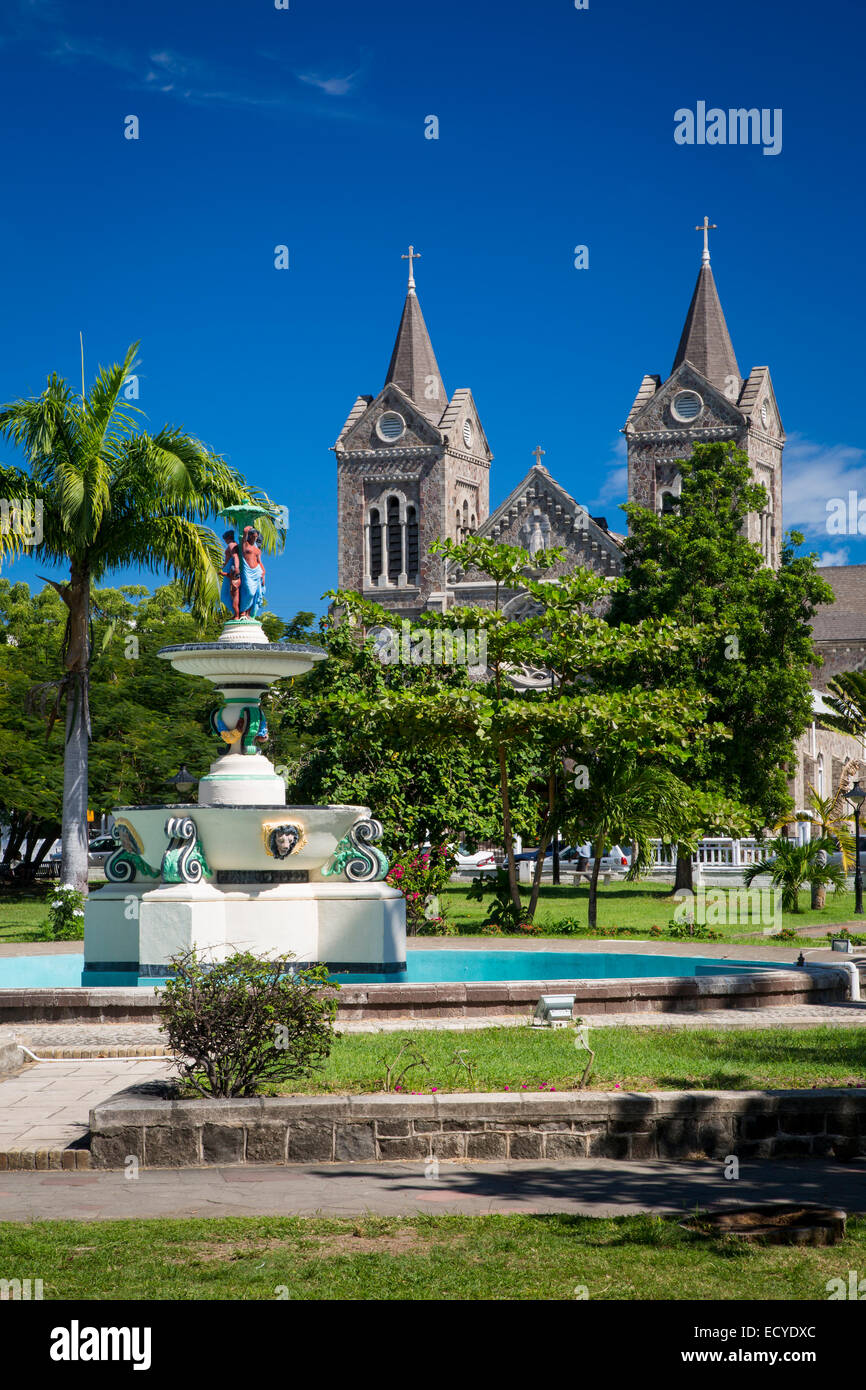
(705, 341)
(413, 366)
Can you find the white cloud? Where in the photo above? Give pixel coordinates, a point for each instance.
(812, 476)
(614, 488)
(834, 557)
(334, 86)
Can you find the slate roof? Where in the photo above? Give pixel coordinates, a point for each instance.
(845, 620)
(413, 362)
(705, 341)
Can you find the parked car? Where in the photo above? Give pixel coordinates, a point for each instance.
(474, 859)
(99, 849)
(614, 860)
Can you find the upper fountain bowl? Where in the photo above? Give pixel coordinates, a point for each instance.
(243, 655)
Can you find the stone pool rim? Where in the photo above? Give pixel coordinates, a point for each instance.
(818, 982)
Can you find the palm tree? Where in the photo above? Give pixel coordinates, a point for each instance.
(846, 697)
(110, 496)
(627, 802)
(790, 866)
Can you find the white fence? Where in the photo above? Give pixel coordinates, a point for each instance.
(721, 853)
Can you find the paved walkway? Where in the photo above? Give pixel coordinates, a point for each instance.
(588, 1187)
(111, 1039)
(47, 1106)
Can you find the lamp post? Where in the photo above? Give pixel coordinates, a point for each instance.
(856, 796)
(184, 780)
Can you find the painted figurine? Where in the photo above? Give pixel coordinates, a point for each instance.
(231, 575)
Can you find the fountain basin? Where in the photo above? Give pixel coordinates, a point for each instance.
(258, 663)
(234, 838)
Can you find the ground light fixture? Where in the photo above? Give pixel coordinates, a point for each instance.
(554, 1011)
(855, 797)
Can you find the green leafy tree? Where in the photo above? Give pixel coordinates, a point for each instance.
(104, 495)
(146, 716)
(537, 729)
(696, 567)
(327, 733)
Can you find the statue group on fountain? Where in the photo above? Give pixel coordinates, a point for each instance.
(243, 578)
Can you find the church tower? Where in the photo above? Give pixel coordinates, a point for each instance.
(704, 399)
(412, 466)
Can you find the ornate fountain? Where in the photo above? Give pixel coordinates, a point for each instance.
(241, 870)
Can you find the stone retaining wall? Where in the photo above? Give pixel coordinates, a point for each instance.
(359, 1129)
(12, 1059)
(818, 984)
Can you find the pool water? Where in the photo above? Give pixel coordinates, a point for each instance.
(423, 967)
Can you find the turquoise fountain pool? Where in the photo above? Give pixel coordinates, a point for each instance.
(423, 967)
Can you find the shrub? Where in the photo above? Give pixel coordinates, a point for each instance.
(501, 912)
(691, 931)
(65, 915)
(421, 876)
(236, 1024)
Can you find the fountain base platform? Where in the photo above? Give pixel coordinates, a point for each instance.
(134, 931)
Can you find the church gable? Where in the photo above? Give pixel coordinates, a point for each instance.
(461, 427)
(389, 422)
(759, 405)
(540, 514)
(688, 405)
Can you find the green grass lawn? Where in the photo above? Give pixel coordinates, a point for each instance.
(636, 1059)
(22, 916)
(418, 1258)
(638, 907)
(624, 909)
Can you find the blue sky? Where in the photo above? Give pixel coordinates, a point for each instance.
(305, 127)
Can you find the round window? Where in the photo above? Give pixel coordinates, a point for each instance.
(390, 426)
(686, 406)
(467, 434)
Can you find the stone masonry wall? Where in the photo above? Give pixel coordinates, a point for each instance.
(496, 1127)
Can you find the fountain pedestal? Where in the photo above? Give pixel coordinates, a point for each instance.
(241, 870)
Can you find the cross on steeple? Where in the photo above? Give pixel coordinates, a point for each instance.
(706, 227)
(412, 255)
(538, 451)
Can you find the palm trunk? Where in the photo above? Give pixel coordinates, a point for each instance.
(76, 595)
(819, 895)
(597, 851)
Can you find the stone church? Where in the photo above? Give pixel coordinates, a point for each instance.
(413, 464)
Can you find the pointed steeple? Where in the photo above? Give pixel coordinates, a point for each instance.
(413, 365)
(705, 341)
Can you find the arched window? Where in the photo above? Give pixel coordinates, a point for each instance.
(457, 526)
(668, 503)
(472, 525)
(412, 566)
(819, 775)
(395, 540)
(375, 544)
